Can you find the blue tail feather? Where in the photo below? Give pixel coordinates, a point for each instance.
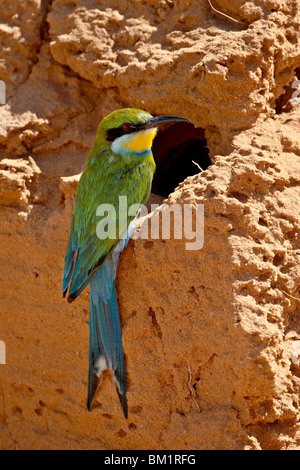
(106, 351)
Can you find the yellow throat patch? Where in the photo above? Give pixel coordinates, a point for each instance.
(140, 141)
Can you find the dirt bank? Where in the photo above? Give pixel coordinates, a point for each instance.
(208, 334)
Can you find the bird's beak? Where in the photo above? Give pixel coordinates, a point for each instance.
(162, 120)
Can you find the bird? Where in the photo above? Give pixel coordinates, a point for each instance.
(120, 163)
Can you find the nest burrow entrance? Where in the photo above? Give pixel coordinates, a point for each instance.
(177, 150)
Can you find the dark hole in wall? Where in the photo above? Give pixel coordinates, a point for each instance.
(283, 103)
(175, 148)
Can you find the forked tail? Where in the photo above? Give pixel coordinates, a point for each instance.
(105, 345)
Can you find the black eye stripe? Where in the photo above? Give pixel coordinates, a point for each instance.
(112, 134)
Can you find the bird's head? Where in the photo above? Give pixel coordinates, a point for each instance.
(131, 131)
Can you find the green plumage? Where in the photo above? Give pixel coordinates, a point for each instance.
(120, 164)
(106, 176)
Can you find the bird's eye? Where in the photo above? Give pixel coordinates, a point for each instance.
(127, 126)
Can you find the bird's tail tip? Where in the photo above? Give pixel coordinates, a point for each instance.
(93, 385)
(94, 382)
(123, 401)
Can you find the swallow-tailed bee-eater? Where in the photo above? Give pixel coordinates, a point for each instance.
(120, 163)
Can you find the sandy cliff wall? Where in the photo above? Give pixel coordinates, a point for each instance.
(207, 334)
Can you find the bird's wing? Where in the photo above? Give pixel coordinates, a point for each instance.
(86, 252)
